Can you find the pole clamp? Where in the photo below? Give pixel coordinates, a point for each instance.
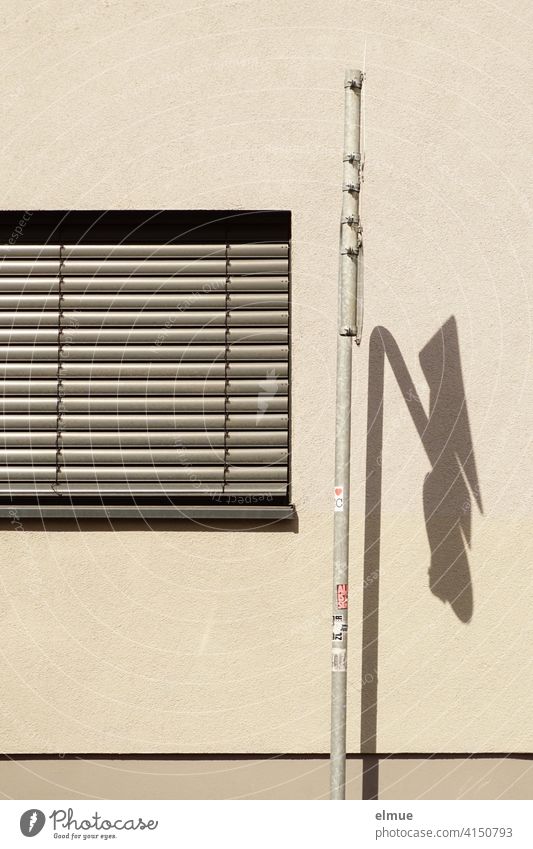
(351, 251)
(351, 187)
(352, 157)
(354, 82)
(350, 220)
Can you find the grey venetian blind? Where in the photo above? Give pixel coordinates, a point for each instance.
(144, 369)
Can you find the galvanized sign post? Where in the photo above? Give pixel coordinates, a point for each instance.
(349, 328)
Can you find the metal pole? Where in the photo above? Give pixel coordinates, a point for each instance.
(350, 242)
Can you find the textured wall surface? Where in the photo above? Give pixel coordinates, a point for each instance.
(268, 778)
(183, 639)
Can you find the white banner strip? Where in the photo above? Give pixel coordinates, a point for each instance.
(264, 825)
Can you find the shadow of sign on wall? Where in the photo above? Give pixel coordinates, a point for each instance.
(448, 492)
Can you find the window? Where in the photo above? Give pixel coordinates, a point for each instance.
(145, 363)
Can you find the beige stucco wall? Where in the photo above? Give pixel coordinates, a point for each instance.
(173, 639)
(266, 778)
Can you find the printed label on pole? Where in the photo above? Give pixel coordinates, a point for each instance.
(339, 499)
(342, 596)
(339, 627)
(338, 660)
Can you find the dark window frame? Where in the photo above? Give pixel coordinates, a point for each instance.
(20, 227)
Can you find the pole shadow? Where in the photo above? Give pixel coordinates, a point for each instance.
(447, 493)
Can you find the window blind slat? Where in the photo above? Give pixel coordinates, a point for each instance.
(170, 473)
(151, 456)
(153, 422)
(154, 284)
(191, 266)
(152, 301)
(28, 369)
(30, 268)
(126, 370)
(256, 249)
(28, 301)
(151, 318)
(30, 456)
(29, 285)
(163, 487)
(29, 318)
(22, 252)
(154, 352)
(159, 438)
(28, 438)
(151, 387)
(165, 337)
(27, 337)
(28, 473)
(28, 387)
(156, 404)
(28, 423)
(33, 404)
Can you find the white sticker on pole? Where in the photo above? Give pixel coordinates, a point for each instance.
(338, 660)
(339, 499)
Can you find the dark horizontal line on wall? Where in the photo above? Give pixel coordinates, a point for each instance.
(167, 756)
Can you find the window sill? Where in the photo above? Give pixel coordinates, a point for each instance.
(273, 513)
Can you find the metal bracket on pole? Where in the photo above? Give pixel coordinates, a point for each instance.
(356, 81)
(350, 246)
(350, 220)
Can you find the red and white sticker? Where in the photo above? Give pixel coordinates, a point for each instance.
(339, 499)
(342, 596)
